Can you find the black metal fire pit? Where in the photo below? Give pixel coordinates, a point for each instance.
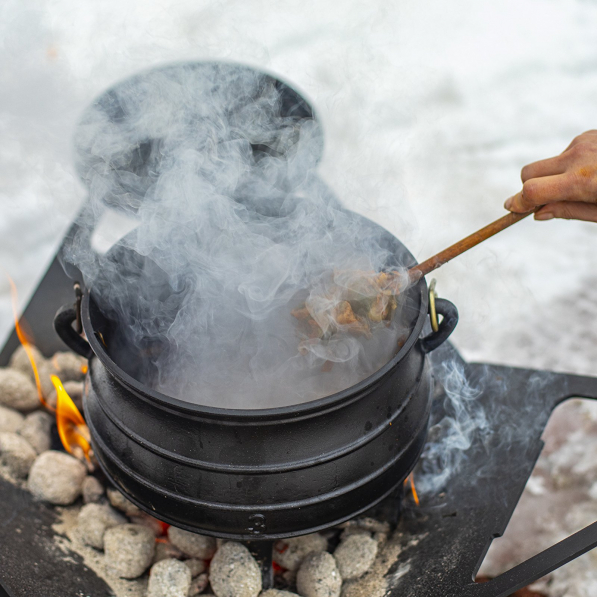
(452, 529)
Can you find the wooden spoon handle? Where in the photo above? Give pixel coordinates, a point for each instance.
(422, 269)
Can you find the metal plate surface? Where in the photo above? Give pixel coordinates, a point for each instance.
(455, 527)
(31, 561)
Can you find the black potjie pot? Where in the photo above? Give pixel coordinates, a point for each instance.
(246, 474)
(260, 474)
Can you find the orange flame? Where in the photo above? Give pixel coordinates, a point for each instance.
(414, 489)
(25, 342)
(74, 433)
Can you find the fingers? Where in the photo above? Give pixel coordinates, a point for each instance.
(549, 167)
(570, 210)
(577, 151)
(590, 136)
(562, 184)
(542, 190)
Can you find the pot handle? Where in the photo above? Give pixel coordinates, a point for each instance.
(63, 321)
(445, 328)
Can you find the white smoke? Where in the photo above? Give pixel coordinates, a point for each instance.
(235, 230)
(463, 420)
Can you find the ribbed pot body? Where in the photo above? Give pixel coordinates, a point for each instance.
(248, 474)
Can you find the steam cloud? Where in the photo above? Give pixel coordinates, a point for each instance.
(463, 420)
(235, 229)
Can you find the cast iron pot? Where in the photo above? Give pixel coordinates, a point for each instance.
(260, 474)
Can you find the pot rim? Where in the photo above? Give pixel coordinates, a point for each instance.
(256, 414)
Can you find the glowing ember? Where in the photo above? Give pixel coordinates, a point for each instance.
(72, 429)
(164, 526)
(26, 342)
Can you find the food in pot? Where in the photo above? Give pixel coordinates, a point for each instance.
(353, 302)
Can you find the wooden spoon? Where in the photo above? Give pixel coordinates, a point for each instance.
(422, 269)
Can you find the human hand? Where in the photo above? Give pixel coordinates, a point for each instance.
(566, 185)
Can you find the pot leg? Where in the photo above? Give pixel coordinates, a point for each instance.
(390, 508)
(262, 551)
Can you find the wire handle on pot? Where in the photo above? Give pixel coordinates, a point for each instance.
(78, 301)
(432, 309)
(441, 331)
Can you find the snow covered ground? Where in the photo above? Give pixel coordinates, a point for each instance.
(430, 108)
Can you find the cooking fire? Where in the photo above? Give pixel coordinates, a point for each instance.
(135, 543)
(260, 399)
